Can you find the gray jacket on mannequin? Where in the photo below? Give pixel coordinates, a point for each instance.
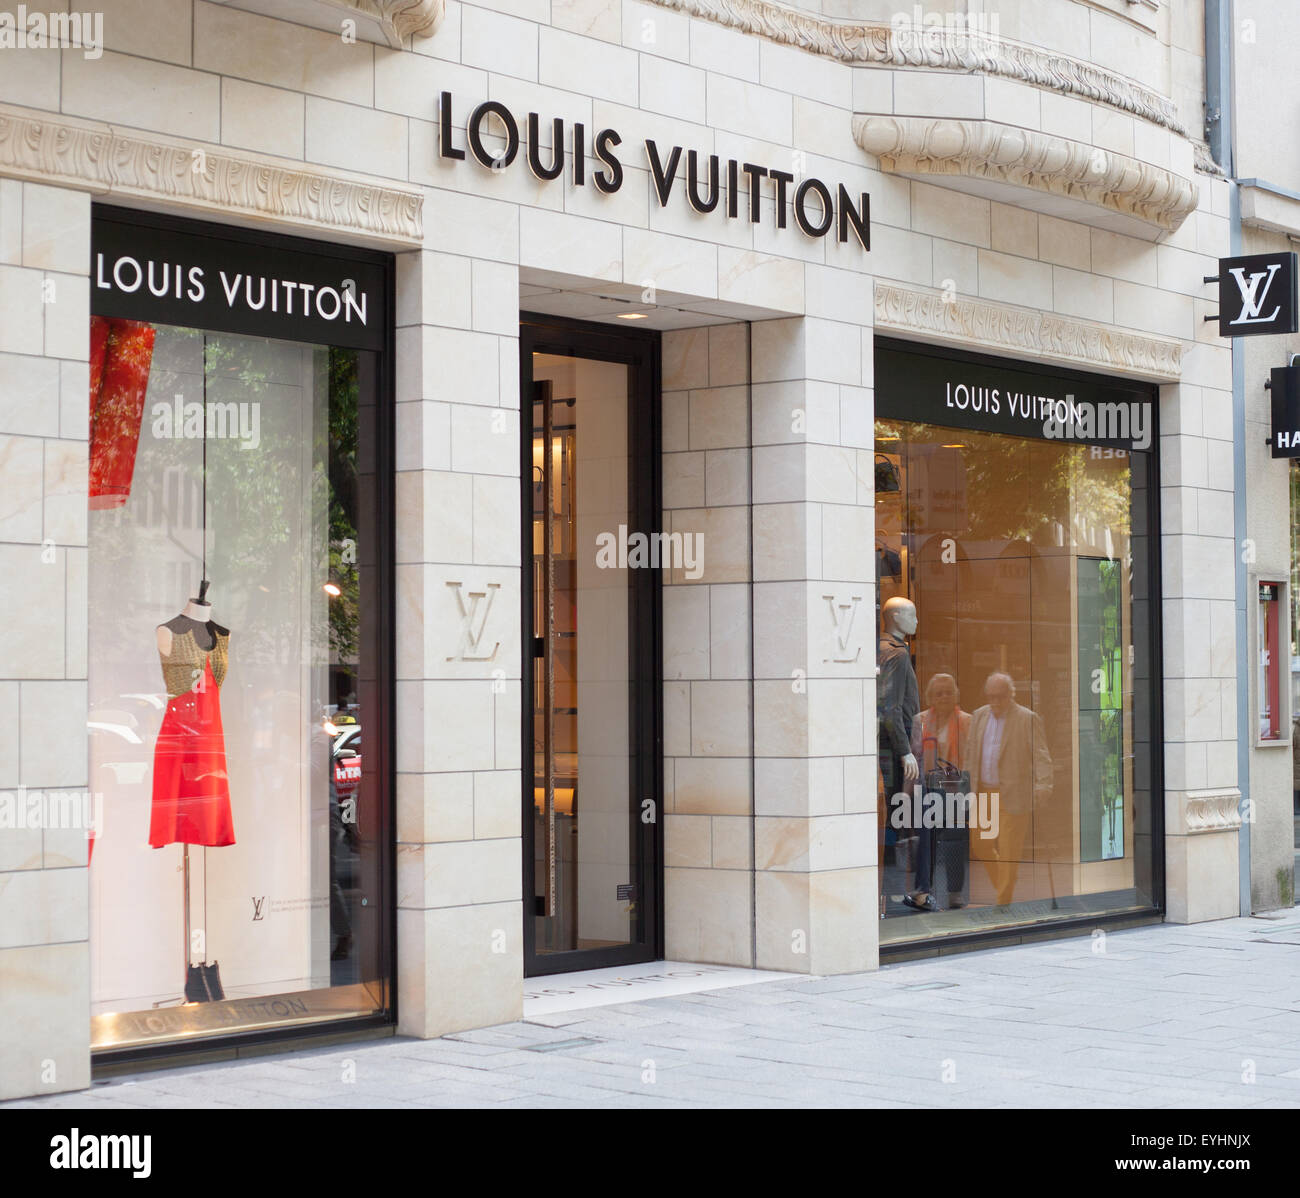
(898, 700)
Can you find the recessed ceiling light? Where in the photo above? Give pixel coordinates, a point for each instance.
(633, 315)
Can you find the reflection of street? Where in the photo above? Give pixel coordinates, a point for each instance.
(345, 846)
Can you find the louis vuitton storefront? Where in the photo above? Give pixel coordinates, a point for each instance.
(455, 494)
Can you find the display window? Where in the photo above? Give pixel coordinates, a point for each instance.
(1268, 629)
(1017, 713)
(240, 875)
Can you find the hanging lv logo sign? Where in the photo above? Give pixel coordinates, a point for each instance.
(474, 625)
(1253, 297)
(1257, 294)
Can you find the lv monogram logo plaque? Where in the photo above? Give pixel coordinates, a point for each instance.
(474, 624)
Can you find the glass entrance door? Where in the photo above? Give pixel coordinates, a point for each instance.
(592, 742)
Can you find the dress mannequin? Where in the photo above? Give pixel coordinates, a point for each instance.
(191, 794)
(191, 791)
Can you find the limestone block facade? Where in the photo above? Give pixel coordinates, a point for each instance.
(1040, 192)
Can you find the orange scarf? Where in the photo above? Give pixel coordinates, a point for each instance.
(954, 737)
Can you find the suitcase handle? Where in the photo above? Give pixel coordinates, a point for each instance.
(951, 772)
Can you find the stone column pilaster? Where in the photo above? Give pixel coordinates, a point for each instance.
(44, 422)
(816, 880)
(459, 918)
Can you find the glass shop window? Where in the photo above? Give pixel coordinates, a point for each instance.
(234, 873)
(1026, 561)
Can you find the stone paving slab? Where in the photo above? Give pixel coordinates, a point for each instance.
(1164, 1017)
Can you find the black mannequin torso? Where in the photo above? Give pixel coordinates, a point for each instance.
(205, 632)
(195, 619)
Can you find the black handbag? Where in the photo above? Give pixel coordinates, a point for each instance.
(946, 779)
(886, 476)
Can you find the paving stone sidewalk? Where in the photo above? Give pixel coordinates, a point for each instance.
(1164, 1016)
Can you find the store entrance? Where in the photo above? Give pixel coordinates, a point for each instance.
(592, 740)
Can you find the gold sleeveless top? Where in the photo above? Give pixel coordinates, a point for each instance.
(183, 666)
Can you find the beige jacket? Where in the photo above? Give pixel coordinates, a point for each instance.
(1025, 774)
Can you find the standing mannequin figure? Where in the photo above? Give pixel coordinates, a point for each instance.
(191, 790)
(897, 698)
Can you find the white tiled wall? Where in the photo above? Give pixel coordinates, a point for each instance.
(44, 333)
(708, 796)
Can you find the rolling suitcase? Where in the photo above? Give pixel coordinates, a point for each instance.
(951, 870)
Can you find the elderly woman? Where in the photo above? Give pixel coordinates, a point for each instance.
(939, 733)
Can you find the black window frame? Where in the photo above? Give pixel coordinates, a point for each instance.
(639, 349)
(894, 408)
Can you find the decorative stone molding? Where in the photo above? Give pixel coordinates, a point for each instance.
(1028, 158)
(1211, 811)
(1204, 162)
(109, 161)
(878, 44)
(1025, 333)
(401, 20)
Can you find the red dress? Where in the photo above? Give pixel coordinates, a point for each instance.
(191, 792)
(121, 353)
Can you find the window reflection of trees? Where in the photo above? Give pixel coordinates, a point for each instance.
(261, 521)
(345, 610)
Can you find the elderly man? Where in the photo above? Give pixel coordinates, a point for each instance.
(1008, 756)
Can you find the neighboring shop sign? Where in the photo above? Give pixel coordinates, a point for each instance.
(703, 181)
(1257, 295)
(959, 393)
(1284, 388)
(167, 276)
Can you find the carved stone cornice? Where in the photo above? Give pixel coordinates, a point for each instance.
(1027, 158)
(881, 45)
(401, 20)
(1213, 813)
(1024, 332)
(109, 161)
(1199, 811)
